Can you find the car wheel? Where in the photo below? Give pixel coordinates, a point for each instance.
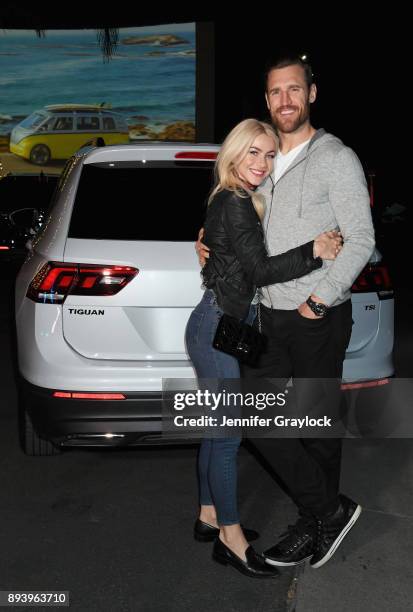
(40, 155)
(31, 443)
(368, 412)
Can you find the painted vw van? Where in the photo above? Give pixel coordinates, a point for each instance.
(59, 130)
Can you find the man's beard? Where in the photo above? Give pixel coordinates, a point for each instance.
(287, 126)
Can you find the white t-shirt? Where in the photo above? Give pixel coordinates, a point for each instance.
(282, 162)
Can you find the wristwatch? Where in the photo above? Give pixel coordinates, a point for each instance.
(319, 309)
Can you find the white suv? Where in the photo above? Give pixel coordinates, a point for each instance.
(103, 298)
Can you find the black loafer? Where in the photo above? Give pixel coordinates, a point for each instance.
(203, 532)
(254, 566)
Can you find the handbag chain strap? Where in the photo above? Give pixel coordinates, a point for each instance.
(259, 314)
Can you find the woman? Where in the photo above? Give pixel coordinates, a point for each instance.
(237, 265)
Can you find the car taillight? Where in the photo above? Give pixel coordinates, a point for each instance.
(55, 281)
(88, 396)
(375, 277)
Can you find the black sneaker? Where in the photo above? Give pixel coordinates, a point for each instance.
(332, 530)
(296, 547)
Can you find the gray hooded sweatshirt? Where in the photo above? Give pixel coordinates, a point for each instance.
(324, 188)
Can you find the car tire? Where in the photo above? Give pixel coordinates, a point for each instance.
(368, 412)
(32, 444)
(40, 155)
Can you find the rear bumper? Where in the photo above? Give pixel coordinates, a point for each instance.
(373, 360)
(135, 420)
(49, 362)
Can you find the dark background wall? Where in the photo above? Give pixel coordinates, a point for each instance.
(362, 75)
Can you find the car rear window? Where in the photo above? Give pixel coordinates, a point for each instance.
(141, 200)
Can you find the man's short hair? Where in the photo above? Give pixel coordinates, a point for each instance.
(289, 60)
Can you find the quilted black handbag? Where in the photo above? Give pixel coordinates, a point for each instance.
(239, 339)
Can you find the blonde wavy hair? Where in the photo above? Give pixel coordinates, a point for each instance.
(233, 150)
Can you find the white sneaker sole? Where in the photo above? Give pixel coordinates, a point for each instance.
(339, 539)
(285, 563)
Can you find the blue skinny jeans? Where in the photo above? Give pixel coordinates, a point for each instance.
(217, 458)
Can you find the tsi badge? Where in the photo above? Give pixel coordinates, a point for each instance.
(86, 311)
(370, 307)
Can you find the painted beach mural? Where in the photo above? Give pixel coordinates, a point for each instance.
(57, 92)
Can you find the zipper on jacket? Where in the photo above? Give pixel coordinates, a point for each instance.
(319, 134)
(265, 235)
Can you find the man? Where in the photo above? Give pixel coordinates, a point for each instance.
(318, 183)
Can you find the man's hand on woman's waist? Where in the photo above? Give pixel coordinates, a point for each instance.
(306, 312)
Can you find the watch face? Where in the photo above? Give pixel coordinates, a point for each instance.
(319, 309)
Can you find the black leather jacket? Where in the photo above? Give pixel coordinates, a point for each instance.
(238, 261)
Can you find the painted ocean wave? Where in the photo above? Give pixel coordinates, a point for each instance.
(68, 68)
